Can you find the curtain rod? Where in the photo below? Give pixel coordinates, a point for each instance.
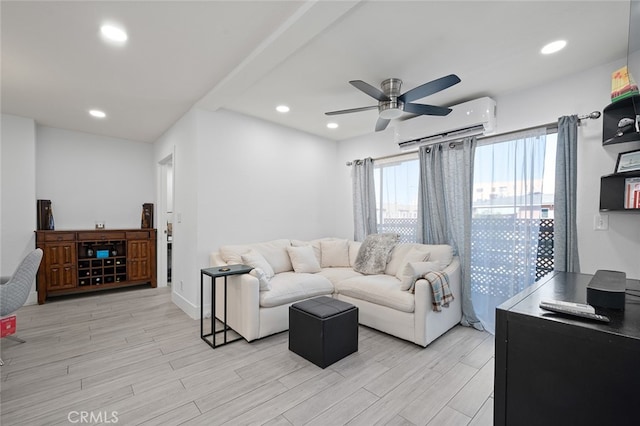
(554, 125)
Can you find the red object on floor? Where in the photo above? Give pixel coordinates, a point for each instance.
(8, 326)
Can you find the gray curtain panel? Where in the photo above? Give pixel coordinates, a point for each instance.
(431, 207)
(565, 238)
(444, 208)
(364, 199)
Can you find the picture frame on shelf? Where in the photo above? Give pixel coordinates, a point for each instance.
(628, 161)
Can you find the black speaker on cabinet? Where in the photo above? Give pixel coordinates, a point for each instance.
(147, 216)
(45, 215)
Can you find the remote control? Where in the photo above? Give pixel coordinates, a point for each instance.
(573, 312)
(570, 305)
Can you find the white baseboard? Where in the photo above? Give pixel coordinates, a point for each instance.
(189, 308)
(32, 299)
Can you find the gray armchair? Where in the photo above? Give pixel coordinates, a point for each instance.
(15, 291)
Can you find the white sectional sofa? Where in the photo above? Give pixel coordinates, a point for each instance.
(397, 301)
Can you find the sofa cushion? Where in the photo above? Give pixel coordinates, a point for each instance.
(415, 254)
(414, 270)
(374, 253)
(263, 280)
(288, 287)
(354, 248)
(338, 274)
(379, 289)
(315, 244)
(303, 259)
(256, 260)
(442, 253)
(335, 253)
(273, 251)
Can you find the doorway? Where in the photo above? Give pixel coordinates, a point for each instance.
(165, 219)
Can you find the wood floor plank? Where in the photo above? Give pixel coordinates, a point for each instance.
(474, 394)
(430, 402)
(449, 417)
(345, 410)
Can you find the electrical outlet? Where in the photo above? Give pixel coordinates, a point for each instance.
(601, 222)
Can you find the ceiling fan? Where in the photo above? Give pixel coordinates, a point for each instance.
(391, 104)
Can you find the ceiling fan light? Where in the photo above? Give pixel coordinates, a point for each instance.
(332, 125)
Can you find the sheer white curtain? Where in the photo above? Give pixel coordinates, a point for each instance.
(508, 180)
(364, 199)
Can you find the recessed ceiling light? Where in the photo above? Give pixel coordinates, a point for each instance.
(113, 33)
(282, 108)
(553, 47)
(332, 125)
(97, 113)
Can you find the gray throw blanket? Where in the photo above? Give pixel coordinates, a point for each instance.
(374, 253)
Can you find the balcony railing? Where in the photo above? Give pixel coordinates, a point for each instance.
(500, 240)
(502, 246)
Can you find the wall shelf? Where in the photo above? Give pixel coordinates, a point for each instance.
(613, 113)
(612, 191)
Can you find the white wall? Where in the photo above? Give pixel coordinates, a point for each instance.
(91, 178)
(18, 195)
(239, 179)
(260, 181)
(616, 249)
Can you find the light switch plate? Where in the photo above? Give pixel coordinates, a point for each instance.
(601, 222)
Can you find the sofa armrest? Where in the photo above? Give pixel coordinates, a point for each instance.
(243, 301)
(429, 324)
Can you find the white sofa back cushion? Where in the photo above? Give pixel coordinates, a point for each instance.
(303, 259)
(442, 253)
(275, 252)
(335, 253)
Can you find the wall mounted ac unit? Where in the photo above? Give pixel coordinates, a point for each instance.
(476, 117)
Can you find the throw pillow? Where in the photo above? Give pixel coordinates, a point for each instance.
(335, 253)
(256, 260)
(303, 259)
(374, 253)
(415, 254)
(265, 283)
(414, 271)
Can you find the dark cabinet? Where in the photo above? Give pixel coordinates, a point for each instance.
(558, 370)
(80, 261)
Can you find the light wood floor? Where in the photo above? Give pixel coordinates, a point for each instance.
(133, 357)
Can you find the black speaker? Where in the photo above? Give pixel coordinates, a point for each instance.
(147, 215)
(45, 215)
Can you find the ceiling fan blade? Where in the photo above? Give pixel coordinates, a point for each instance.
(347, 111)
(429, 88)
(426, 109)
(374, 92)
(381, 124)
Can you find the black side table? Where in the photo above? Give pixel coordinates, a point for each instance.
(216, 272)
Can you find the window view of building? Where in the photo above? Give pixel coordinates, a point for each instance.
(397, 197)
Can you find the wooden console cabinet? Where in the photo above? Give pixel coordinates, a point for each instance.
(88, 260)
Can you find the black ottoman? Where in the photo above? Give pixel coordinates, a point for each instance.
(323, 330)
